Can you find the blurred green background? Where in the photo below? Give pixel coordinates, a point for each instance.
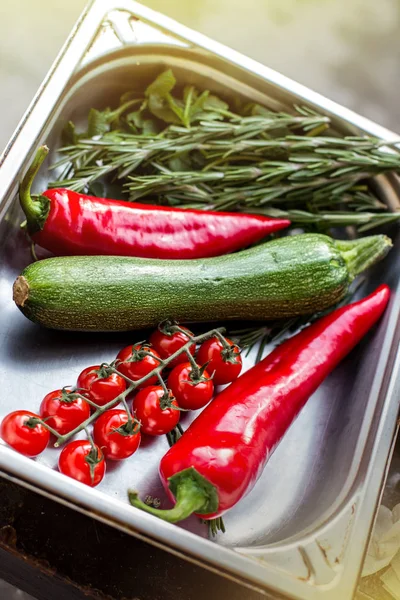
(346, 49)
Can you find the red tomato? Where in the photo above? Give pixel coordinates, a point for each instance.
(188, 393)
(155, 412)
(168, 343)
(225, 364)
(100, 386)
(135, 366)
(83, 462)
(21, 432)
(116, 440)
(64, 410)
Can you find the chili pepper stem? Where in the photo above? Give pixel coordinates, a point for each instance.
(193, 493)
(364, 252)
(36, 211)
(189, 502)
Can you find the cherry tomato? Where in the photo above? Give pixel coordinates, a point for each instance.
(114, 437)
(225, 364)
(100, 385)
(155, 412)
(168, 343)
(188, 393)
(64, 410)
(83, 462)
(21, 432)
(135, 365)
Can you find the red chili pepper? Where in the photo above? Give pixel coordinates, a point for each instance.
(66, 222)
(220, 457)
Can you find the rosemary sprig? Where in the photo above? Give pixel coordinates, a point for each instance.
(363, 221)
(263, 335)
(304, 177)
(121, 153)
(191, 149)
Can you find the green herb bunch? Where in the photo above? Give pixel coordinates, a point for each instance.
(185, 147)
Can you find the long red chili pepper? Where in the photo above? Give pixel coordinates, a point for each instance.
(66, 222)
(220, 457)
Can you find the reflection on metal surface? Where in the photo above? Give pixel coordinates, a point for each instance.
(119, 28)
(319, 561)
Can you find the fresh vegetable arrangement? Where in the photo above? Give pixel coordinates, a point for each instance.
(117, 431)
(121, 265)
(293, 275)
(220, 457)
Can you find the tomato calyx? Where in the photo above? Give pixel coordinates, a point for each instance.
(230, 353)
(33, 422)
(197, 376)
(168, 327)
(167, 401)
(139, 352)
(68, 397)
(131, 427)
(104, 371)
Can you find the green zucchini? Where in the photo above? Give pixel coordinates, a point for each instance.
(290, 276)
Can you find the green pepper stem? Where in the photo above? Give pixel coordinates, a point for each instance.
(36, 211)
(361, 254)
(189, 499)
(193, 493)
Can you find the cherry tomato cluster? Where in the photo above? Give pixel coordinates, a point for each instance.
(138, 371)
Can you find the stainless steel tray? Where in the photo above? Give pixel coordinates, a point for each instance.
(303, 531)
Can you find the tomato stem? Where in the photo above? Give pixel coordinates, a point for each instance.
(175, 328)
(99, 411)
(164, 387)
(132, 385)
(128, 412)
(33, 421)
(223, 341)
(93, 457)
(195, 375)
(90, 402)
